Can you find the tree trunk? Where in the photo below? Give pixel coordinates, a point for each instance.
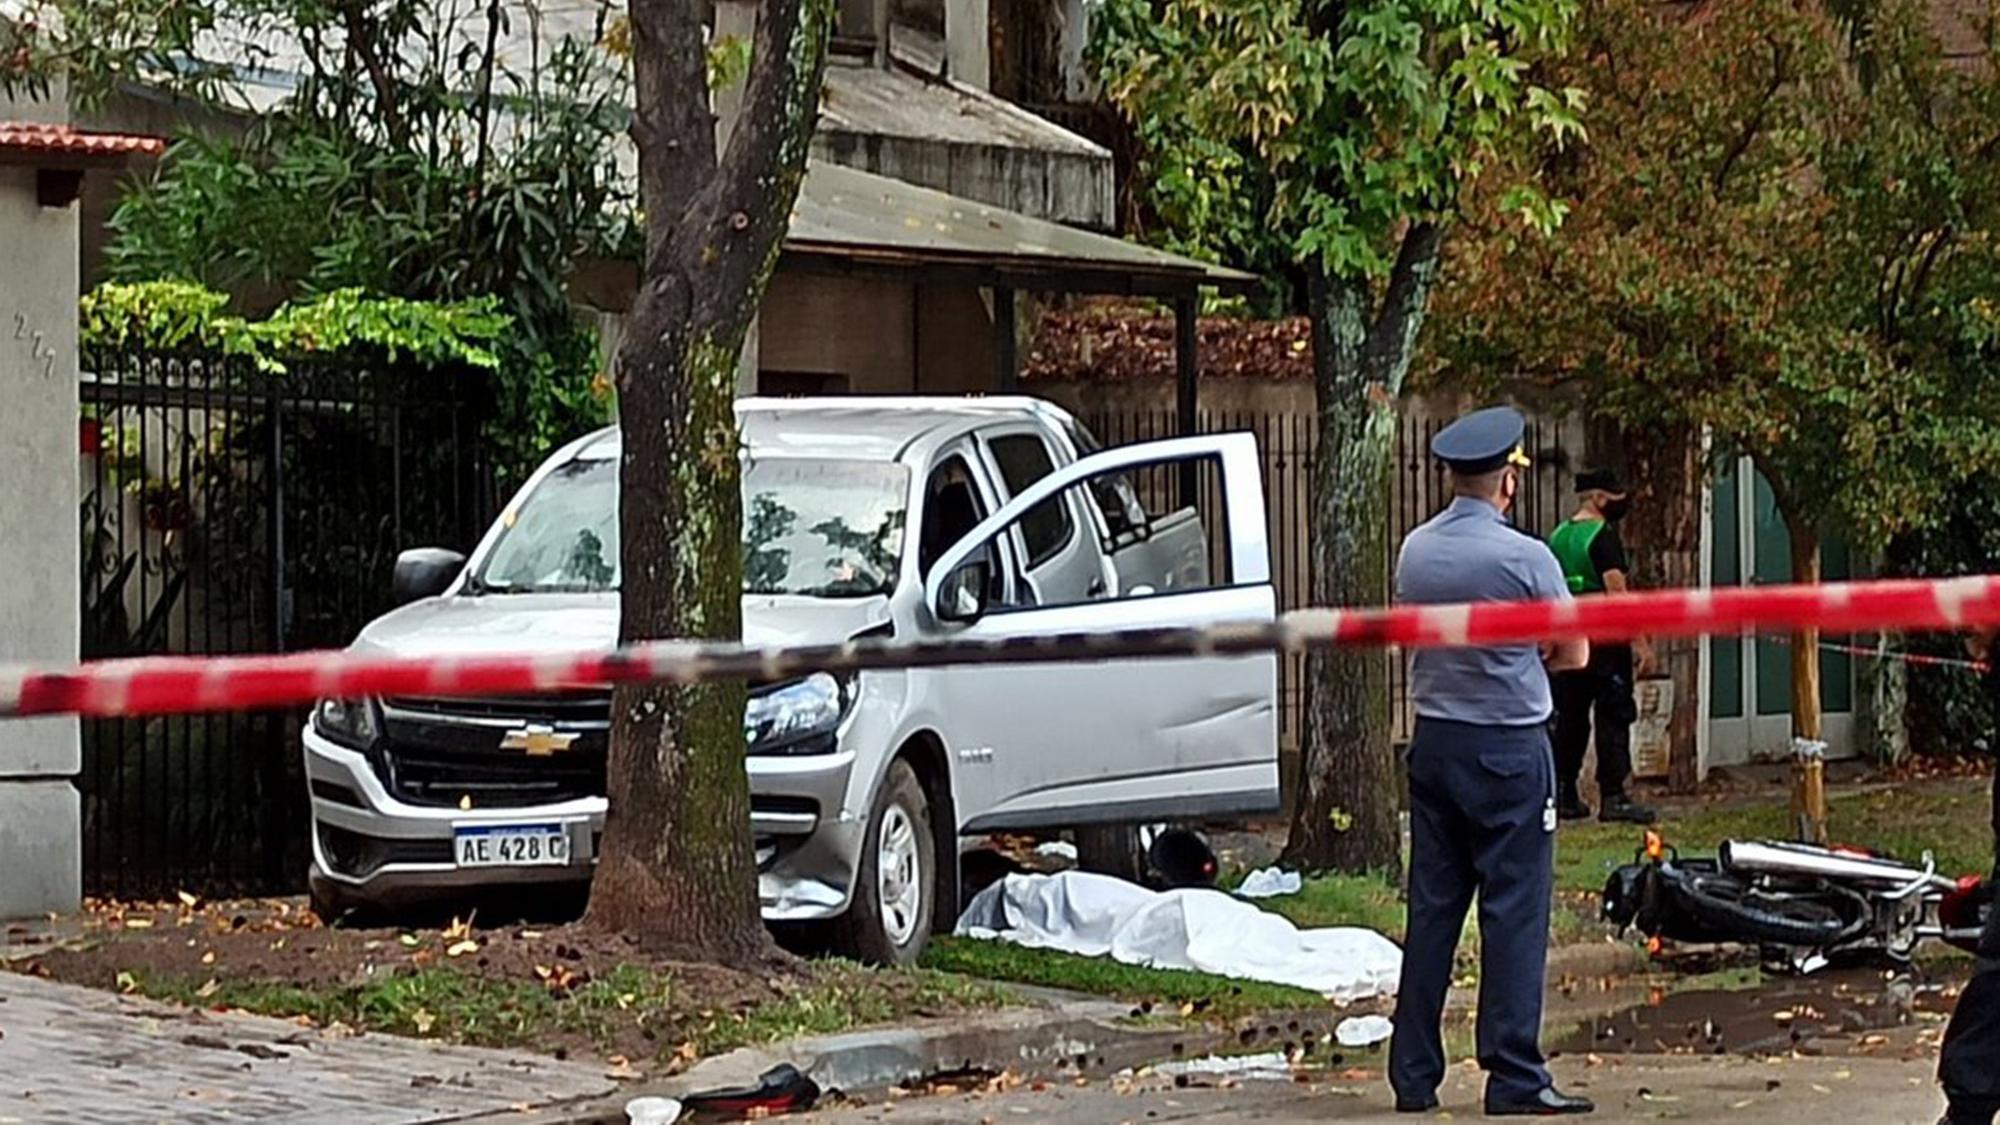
(1345, 816)
(676, 867)
(1805, 644)
(1809, 800)
(1663, 535)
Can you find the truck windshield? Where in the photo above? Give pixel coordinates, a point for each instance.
(817, 528)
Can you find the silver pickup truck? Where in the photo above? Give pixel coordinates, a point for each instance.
(990, 517)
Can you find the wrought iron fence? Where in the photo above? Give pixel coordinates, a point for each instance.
(228, 509)
(1418, 490)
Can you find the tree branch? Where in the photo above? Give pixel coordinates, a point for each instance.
(766, 155)
(1755, 125)
(1392, 338)
(361, 39)
(1921, 279)
(672, 124)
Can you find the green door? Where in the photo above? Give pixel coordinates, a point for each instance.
(1750, 707)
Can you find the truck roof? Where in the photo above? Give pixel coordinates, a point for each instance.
(858, 427)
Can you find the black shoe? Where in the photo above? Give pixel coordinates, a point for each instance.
(1622, 808)
(1551, 1102)
(1416, 1105)
(1573, 808)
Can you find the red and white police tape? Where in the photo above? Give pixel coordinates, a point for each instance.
(179, 685)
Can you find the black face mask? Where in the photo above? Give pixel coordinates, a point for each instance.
(1614, 510)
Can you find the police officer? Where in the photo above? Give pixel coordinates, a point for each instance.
(1592, 556)
(1969, 1065)
(1482, 784)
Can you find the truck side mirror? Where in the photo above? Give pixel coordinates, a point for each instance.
(425, 572)
(962, 599)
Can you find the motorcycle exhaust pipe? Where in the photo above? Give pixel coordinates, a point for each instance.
(1752, 857)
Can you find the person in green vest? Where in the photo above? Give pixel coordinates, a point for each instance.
(1593, 562)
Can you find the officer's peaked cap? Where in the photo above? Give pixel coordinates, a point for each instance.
(1482, 441)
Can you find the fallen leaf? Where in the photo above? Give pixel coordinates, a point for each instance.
(138, 923)
(462, 948)
(423, 1020)
(207, 990)
(410, 941)
(621, 1069)
(128, 983)
(208, 958)
(1746, 1103)
(1819, 1089)
(188, 900)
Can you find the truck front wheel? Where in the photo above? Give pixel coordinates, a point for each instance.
(895, 890)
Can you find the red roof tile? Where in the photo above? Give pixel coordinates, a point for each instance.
(30, 138)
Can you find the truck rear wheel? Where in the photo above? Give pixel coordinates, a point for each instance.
(895, 888)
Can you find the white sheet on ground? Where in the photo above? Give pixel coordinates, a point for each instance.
(1270, 882)
(1204, 930)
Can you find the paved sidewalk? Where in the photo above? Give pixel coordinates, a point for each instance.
(76, 1055)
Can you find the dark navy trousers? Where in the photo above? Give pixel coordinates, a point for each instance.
(1482, 821)
(1969, 1065)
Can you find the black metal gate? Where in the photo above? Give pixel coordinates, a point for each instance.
(232, 509)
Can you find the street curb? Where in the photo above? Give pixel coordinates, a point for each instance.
(1024, 1039)
(1062, 1034)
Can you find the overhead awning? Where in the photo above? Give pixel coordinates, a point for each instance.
(848, 221)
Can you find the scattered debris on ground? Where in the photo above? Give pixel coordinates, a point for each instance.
(563, 990)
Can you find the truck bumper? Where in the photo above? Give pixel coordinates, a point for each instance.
(371, 849)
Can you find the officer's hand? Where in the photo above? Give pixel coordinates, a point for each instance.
(1647, 660)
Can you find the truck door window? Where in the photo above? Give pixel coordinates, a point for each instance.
(1184, 550)
(1125, 517)
(952, 508)
(1024, 459)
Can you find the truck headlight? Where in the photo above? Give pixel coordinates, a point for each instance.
(345, 722)
(798, 717)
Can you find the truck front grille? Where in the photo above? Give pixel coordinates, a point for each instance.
(451, 753)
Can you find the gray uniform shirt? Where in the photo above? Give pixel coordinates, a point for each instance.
(1469, 553)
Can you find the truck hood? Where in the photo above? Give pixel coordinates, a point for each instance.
(571, 623)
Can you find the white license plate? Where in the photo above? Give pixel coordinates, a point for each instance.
(513, 845)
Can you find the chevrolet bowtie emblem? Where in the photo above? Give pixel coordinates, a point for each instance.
(537, 741)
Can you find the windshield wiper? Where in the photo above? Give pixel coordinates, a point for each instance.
(476, 586)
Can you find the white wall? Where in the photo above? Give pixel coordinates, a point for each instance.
(39, 552)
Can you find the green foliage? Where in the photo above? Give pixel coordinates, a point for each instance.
(1778, 233)
(1947, 711)
(728, 62)
(426, 331)
(1278, 132)
(409, 160)
(175, 314)
(157, 314)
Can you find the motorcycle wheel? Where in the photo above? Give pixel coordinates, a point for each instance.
(1820, 919)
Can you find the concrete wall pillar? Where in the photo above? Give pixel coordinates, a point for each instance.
(40, 817)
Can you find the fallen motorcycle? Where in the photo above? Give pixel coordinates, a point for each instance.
(1801, 903)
